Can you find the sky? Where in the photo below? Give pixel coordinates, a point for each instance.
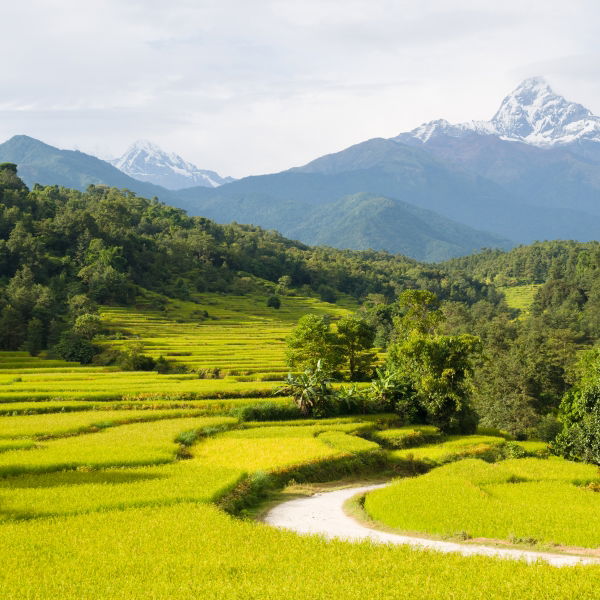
(248, 87)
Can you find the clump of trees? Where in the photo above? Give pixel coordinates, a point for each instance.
(426, 378)
(580, 413)
(349, 347)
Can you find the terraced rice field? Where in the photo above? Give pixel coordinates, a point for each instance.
(532, 500)
(520, 296)
(109, 479)
(241, 335)
(240, 347)
(125, 532)
(451, 448)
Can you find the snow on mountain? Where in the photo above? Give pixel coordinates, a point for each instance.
(147, 162)
(533, 113)
(428, 131)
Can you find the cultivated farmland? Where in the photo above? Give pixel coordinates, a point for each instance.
(117, 484)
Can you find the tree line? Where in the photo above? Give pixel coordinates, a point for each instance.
(64, 252)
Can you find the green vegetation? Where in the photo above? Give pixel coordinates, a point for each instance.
(173, 409)
(408, 436)
(452, 448)
(520, 297)
(128, 445)
(532, 500)
(580, 413)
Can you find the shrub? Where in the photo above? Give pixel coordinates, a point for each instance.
(134, 359)
(267, 411)
(311, 392)
(274, 302)
(75, 348)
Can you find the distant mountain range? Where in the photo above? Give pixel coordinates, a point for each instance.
(530, 173)
(47, 165)
(147, 162)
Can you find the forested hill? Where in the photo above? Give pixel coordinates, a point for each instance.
(534, 263)
(63, 252)
(102, 245)
(568, 272)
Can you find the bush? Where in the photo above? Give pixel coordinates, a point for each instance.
(164, 366)
(311, 392)
(548, 428)
(134, 359)
(580, 441)
(75, 348)
(327, 293)
(391, 390)
(274, 302)
(266, 411)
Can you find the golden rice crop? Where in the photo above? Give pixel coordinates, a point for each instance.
(72, 492)
(55, 424)
(262, 453)
(132, 445)
(521, 499)
(346, 443)
(454, 446)
(195, 551)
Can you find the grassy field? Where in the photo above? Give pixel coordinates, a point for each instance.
(451, 448)
(109, 479)
(529, 499)
(236, 351)
(520, 296)
(241, 335)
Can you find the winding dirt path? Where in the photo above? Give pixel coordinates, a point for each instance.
(323, 514)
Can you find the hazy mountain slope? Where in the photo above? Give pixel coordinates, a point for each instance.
(41, 163)
(147, 162)
(544, 177)
(393, 170)
(364, 221)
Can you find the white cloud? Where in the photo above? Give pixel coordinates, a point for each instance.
(250, 87)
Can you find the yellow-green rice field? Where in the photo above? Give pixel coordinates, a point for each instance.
(113, 484)
(548, 501)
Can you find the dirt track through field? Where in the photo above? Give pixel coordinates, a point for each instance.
(323, 514)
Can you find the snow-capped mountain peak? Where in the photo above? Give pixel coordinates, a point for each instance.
(532, 113)
(146, 161)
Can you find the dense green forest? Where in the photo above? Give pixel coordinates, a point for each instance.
(63, 252)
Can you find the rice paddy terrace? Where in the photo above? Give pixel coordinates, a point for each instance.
(239, 335)
(236, 343)
(129, 485)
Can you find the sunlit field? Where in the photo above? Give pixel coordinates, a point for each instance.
(547, 501)
(113, 484)
(520, 296)
(236, 351)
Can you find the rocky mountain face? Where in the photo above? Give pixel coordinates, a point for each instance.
(147, 162)
(540, 147)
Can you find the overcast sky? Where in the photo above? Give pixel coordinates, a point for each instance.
(254, 86)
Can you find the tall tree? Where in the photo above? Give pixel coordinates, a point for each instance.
(312, 341)
(355, 337)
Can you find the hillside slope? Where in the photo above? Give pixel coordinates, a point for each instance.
(364, 221)
(47, 165)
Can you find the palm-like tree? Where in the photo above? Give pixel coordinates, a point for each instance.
(310, 390)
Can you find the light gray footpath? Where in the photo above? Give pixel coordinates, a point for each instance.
(323, 514)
